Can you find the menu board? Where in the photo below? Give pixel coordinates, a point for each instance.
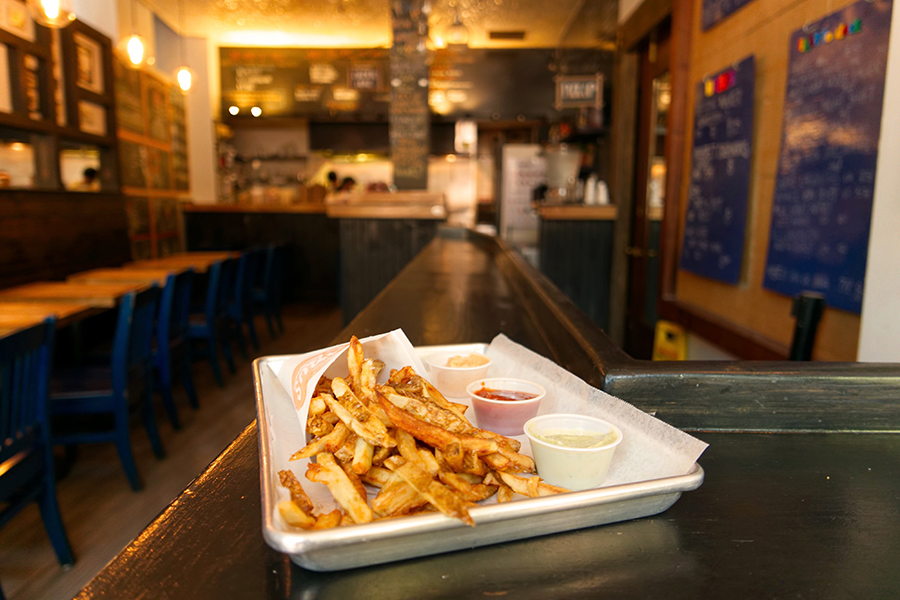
(409, 115)
(321, 83)
(715, 222)
(716, 10)
(822, 206)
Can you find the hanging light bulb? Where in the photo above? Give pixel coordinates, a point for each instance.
(184, 78)
(135, 48)
(457, 34)
(51, 13)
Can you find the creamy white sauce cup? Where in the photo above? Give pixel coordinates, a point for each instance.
(574, 468)
(452, 381)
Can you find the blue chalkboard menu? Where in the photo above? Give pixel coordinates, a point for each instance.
(822, 207)
(715, 222)
(716, 10)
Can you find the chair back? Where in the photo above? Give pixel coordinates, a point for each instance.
(273, 271)
(242, 278)
(226, 289)
(174, 309)
(133, 341)
(25, 360)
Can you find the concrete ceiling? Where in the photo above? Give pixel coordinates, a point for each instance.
(366, 23)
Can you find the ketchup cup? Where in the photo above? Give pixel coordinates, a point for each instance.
(506, 417)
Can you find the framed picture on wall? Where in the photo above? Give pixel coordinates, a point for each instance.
(89, 64)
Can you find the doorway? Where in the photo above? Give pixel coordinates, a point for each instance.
(654, 100)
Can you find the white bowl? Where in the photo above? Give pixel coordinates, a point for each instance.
(452, 381)
(574, 468)
(506, 417)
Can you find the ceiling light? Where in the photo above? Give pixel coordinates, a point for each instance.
(256, 111)
(135, 48)
(457, 34)
(184, 74)
(184, 78)
(233, 110)
(51, 13)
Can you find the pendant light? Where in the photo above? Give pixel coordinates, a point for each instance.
(51, 13)
(184, 75)
(134, 45)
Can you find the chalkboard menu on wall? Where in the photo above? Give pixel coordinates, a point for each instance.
(410, 117)
(822, 207)
(321, 83)
(715, 223)
(716, 10)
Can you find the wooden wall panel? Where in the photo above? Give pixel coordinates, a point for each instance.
(48, 235)
(762, 28)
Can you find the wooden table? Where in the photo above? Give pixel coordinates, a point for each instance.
(126, 275)
(24, 314)
(809, 512)
(199, 263)
(97, 295)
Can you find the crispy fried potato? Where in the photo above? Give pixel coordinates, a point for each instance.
(294, 516)
(356, 416)
(437, 494)
(396, 497)
(380, 454)
(529, 486)
(326, 470)
(377, 476)
(330, 443)
(467, 491)
(362, 456)
(432, 434)
(329, 520)
(298, 495)
(406, 446)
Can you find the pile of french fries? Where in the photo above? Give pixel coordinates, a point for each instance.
(408, 440)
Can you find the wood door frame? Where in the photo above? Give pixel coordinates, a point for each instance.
(727, 335)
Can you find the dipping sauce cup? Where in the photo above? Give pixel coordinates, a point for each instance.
(572, 451)
(504, 416)
(452, 381)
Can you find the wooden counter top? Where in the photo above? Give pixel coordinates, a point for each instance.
(433, 212)
(578, 212)
(793, 514)
(310, 209)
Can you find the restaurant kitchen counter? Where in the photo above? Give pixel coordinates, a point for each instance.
(800, 498)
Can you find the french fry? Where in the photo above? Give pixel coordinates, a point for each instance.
(298, 495)
(504, 494)
(380, 454)
(330, 443)
(437, 494)
(318, 426)
(326, 470)
(468, 492)
(294, 516)
(317, 405)
(396, 497)
(431, 464)
(432, 434)
(377, 476)
(529, 486)
(362, 456)
(328, 520)
(356, 416)
(406, 446)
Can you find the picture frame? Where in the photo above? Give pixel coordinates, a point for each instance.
(88, 64)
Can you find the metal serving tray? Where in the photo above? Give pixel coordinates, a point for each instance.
(421, 535)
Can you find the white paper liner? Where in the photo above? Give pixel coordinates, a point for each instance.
(650, 448)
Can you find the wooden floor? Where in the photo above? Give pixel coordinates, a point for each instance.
(100, 511)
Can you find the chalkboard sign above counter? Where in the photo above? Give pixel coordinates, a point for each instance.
(353, 85)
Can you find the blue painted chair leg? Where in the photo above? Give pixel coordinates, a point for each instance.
(165, 390)
(226, 352)
(150, 422)
(53, 523)
(267, 311)
(211, 353)
(123, 445)
(251, 329)
(187, 378)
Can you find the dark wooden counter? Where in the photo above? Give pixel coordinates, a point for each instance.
(810, 512)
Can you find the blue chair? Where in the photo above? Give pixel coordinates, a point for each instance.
(173, 342)
(268, 295)
(81, 398)
(236, 306)
(26, 459)
(252, 274)
(208, 325)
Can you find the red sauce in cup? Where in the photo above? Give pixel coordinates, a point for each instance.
(505, 395)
